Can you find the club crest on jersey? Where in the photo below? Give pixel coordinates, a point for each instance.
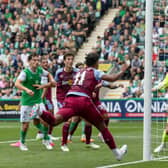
(70, 82)
(36, 82)
(61, 76)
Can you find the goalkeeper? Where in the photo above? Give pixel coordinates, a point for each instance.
(162, 85)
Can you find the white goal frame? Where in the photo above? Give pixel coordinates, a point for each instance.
(148, 81)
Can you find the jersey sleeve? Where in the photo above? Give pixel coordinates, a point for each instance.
(98, 74)
(56, 76)
(22, 76)
(163, 84)
(105, 83)
(44, 72)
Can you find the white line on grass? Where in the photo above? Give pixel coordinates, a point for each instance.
(133, 162)
(18, 125)
(9, 126)
(121, 164)
(126, 137)
(12, 141)
(163, 158)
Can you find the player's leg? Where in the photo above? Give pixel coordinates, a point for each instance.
(164, 140)
(83, 137)
(88, 133)
(47, 141)
(92, 115)
(46, 116)
(73, 126)
(24, 119)
(65, 131)
(50, 107)
(42, 126)
(62, 115)
(23, 133)
(44, 129)
(104, 115)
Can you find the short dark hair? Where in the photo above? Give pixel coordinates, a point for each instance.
(67, 54)
(91, 59)
(79, 64)
(30, 57)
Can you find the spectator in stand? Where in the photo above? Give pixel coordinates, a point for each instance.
(115, 3)
(135, 64)
(127, 93)
(43, 27)
(79, 35)
(8, 94)
(135, 86)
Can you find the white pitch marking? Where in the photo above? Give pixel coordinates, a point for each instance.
(128, 137)
(133, 162)
(12, 141)
(121, 164)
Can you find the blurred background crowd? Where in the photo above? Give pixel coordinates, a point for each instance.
(52, 27)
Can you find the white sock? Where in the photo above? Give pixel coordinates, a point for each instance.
(116, 151)
(69, 137)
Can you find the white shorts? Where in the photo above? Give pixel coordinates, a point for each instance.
(49, 105)
(25, 112)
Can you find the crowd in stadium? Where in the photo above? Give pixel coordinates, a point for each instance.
(47, 28)
(51, 28)
(124, 40)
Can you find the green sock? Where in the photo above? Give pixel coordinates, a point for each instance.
(83, 127)
(72, 126)
(39, 127)
(22, 136)
(164, 136)
(45, 132)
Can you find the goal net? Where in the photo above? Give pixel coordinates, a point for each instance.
(159, 71)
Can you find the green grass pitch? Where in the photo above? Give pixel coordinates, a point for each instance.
(126, 132)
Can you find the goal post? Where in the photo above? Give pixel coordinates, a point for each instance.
(148, 81)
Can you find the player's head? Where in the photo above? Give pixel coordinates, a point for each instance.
(44, 63)
(91, 60)
(33, 60)
(68, 59)
(79, 65)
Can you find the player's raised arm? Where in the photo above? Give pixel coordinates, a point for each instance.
(114, 77)
(111, 85)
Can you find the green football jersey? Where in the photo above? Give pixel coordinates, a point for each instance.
(31, 79)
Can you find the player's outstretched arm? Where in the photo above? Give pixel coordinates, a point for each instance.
(114, 77)
(113, 86)
(51, 80)
(51, 83)
(38, 86)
